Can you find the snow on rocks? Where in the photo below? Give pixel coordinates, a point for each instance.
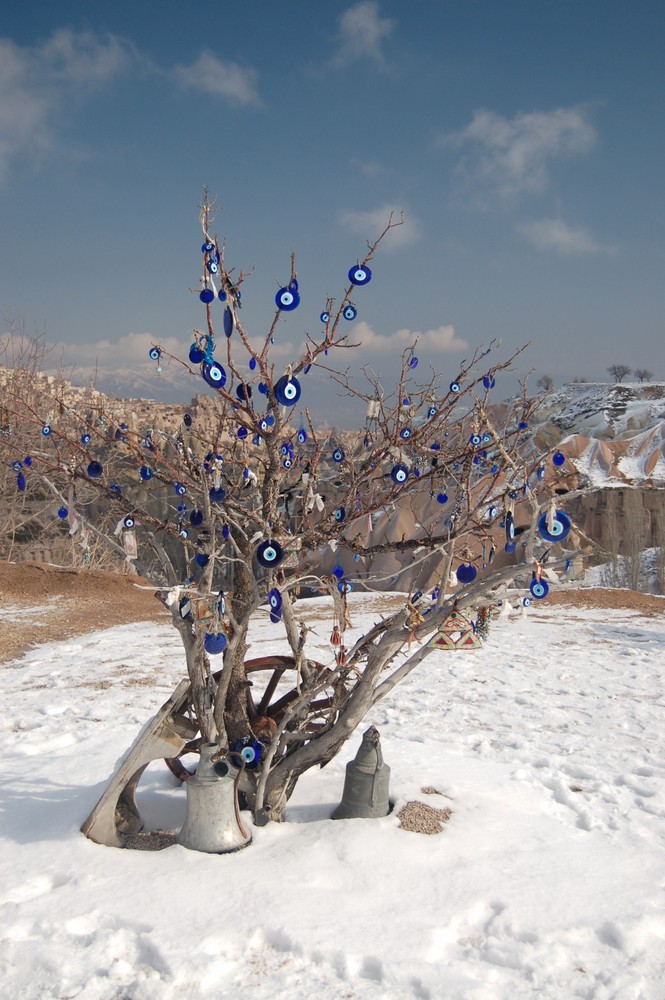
(547, 745)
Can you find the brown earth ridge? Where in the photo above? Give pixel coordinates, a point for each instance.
(41, 603)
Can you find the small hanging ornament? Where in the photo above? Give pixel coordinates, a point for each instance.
(483, 622)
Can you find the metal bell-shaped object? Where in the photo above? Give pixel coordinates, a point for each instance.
(365, 794)
(213, 822)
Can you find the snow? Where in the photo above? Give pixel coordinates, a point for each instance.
(548, 745)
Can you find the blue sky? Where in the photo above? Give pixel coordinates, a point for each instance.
(523, 141)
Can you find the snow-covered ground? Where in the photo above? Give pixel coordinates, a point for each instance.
(547, 881)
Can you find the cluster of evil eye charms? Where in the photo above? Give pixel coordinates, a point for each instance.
(288, 298)
(286, 452)
(269, 554)
(287, 390)
(275, 602)
(558, 530)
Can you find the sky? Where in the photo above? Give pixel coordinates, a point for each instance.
(523, 142)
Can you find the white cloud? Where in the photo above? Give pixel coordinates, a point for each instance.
(506, 158)
(371, 224)
(221, 78)
(36, 82)
(109, 355)
(554, 234)
(362, 31)
(80, 56)
(441, 339)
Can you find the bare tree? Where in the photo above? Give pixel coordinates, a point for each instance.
(619, 372)
(233, 516)
(546, 383)
(643, 374)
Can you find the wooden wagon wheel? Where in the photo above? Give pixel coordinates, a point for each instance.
(266, 709)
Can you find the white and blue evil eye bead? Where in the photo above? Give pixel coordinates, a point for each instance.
(154, 354)
(559, 529)
(17, 466)
(489, 382)
(302, 436)
(274, 599)
(86, 438)
(510, 527)
(213, 266)
(287, 299)
(287, 462)
(206, 295)
(540, 473)
(207, 248)
(325, 317)
(129, 521)
(145, 472)
(340, 513)
(345, 586)
(492, 511)
(432, 412)
(360, 275)
(350, 312)
(526, 601)
(286, 448)
(180, 489)
(46, 430)
(269, 554)
(399, 474)
(475, 440)
(183, 533)
(539, 589)
(405, 433)
(338, 455)
(214, 375)
(454, 387)
(487, 438)
(287, 390)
